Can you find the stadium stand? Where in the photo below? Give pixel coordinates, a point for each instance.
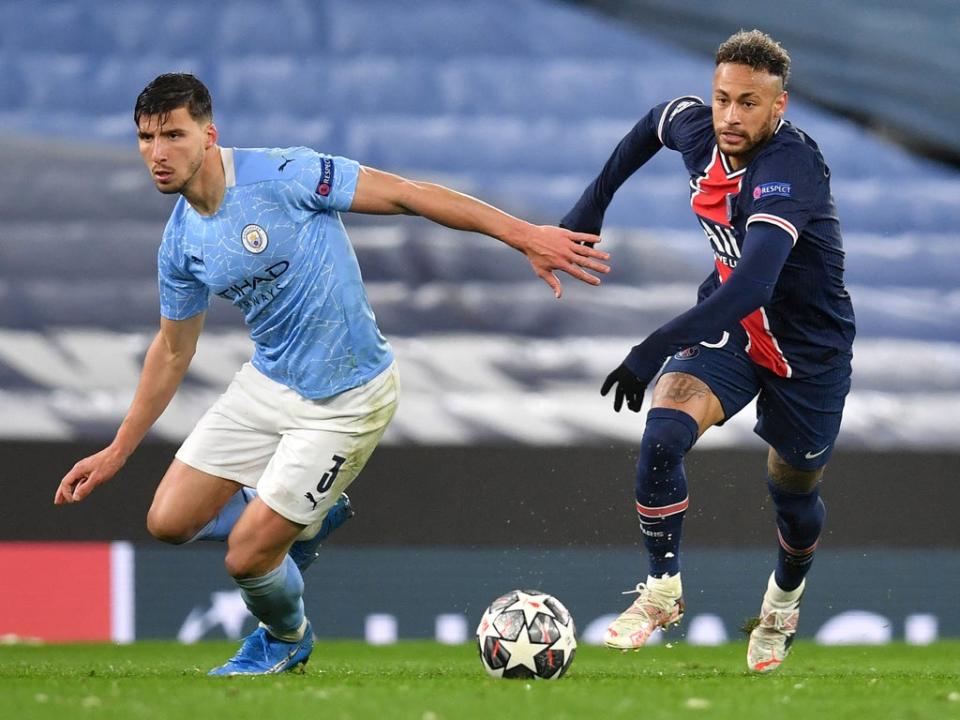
(516, 101)
(886, 63)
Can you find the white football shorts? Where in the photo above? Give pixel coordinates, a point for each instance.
(299, 454)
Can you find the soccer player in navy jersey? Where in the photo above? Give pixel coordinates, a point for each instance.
(773, 321)
(261, 228)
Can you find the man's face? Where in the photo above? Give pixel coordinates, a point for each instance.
(747, 106)
(173, 147)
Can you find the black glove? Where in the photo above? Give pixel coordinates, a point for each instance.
(629, 386)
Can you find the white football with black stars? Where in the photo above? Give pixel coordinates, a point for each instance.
(526, 634)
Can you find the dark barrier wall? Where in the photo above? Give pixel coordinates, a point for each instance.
(853, 596)
(517, 496)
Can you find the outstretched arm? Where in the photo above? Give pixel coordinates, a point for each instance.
(547, 248)
(164, 367)
(636, 148)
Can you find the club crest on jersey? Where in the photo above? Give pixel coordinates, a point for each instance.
(772, 189)
(326, 177)
(688, 353)
(254, 238)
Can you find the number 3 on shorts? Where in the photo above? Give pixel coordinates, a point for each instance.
(326, 482)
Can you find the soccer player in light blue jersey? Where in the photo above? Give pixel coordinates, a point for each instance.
(261, 228)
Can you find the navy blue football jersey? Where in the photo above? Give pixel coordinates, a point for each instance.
(808, 325)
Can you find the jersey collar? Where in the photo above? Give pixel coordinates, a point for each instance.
(229, 172)
(727, 167)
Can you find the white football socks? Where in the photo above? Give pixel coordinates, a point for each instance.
(668, 585)
(782, 598)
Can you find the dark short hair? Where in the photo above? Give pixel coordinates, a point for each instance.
(758, 50)
(170, 91)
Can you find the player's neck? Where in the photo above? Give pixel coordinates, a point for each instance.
(206, 189)
(738, 162)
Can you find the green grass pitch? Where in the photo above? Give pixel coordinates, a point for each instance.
(428, 681)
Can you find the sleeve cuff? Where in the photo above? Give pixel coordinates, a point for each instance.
(779, 222)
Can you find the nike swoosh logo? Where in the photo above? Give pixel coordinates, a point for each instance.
(811, 456)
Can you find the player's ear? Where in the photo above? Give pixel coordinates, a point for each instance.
(780, 104)
(212, 134)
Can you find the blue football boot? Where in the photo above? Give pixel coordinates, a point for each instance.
(304, 552)
(263, 654)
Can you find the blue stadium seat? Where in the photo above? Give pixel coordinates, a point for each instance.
(516, 101)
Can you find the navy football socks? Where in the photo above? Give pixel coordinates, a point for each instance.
(661, 487)
(799, 523)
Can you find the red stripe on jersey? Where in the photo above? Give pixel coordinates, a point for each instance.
(764, 349)
(664, 511)
(786, 225)
(711, 189)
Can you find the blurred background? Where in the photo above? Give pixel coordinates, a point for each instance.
(503, 467)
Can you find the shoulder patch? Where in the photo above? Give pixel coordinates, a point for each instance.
(326, 177)
(772, 189)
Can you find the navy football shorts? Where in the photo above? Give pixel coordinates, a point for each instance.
(799, 418)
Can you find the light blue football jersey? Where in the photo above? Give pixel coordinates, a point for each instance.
(277, 249)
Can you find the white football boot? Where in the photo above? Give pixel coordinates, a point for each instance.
(772, 633)
(659, 604)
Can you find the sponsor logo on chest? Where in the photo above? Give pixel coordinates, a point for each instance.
(713, 200)
(258, 289)
(726, 246)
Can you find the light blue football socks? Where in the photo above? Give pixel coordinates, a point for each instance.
(220, 526)
(276, 599)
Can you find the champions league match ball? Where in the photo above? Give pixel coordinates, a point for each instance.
(526, 634)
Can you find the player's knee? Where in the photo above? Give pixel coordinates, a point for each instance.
(241, 563)
(790, 479)
(802, 513)
(236, 564)
(667, 438)
(167, 528)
